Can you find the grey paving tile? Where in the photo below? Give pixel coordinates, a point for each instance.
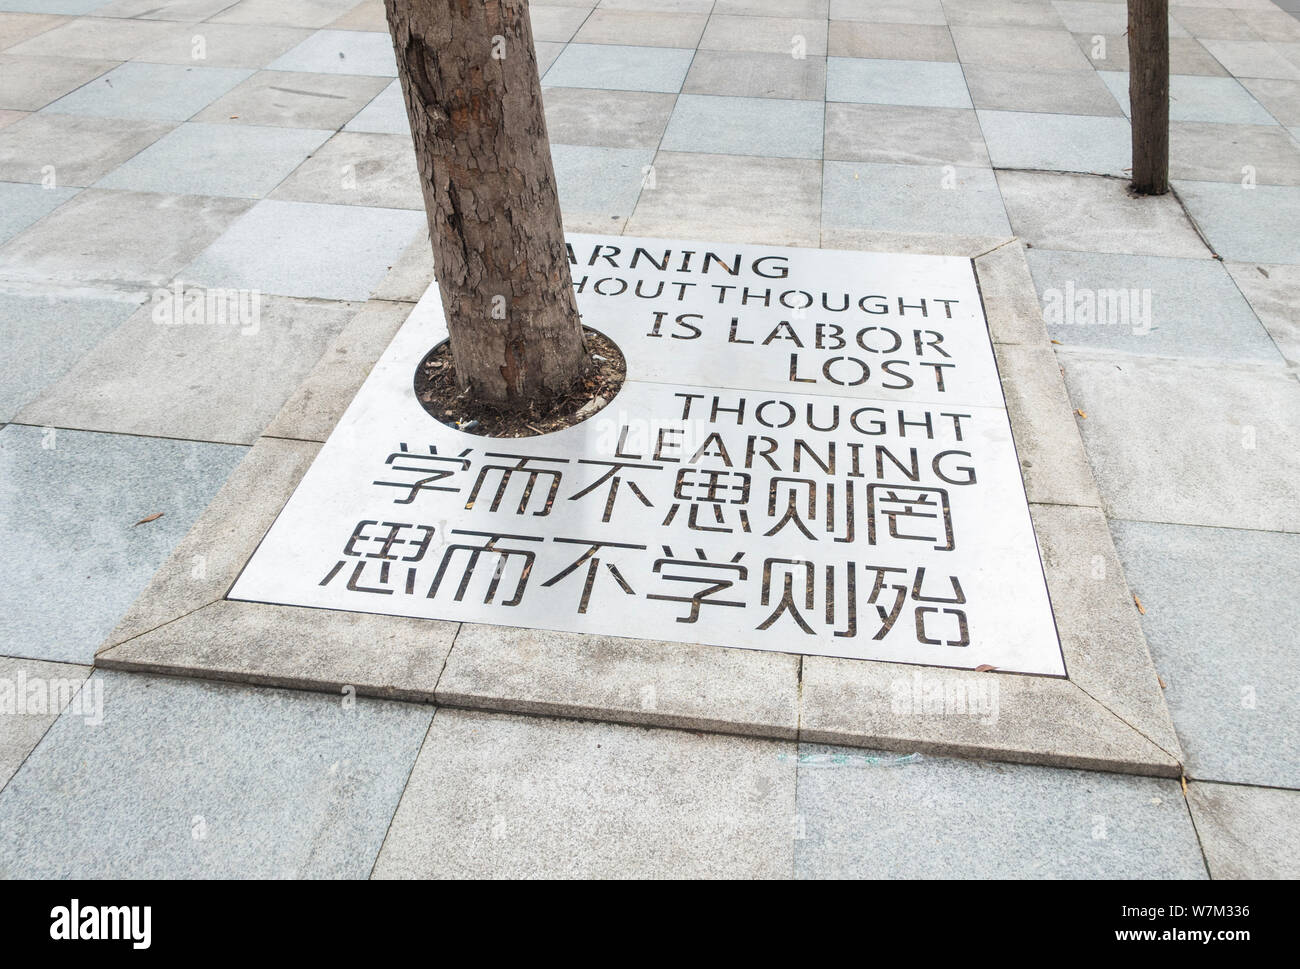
(202, 780)
(912, 42)
(600, 181)
(72, 7)
(1281, 99)
(1247, 832)
(919, 83)
(559, 24)
(136, 238)
(792, 36)
(756, 75)
(606, 119)
(745, 126)
(889, 11)
(620, 68)
(246, 161)
(18, 27)
(1189, 442)
(341, 52)
(1274, 294)
(1057, 142)
(410, 275)
(367, 15)
(294, 100)
(1269, 22)
(386, 114)
(285, 13)
(186, 11)
(1097, 18)
(355, 168)
(71, 500)
(773, 8)
(159, 92)
(81, 149)
(1019, 48)
(35, 693)
(858, 811)
(731, 197)
(45, 333)
(1041, 92)
(1252, 58)
(21, 205)
(1212, 21)
(681, 6)
(172, 379)
(504, 796)
(1235, 153)
(1109, 52)
(8, 117)
(902, 135)
(30, 83)
(640, 27)
(1090, 214)
(1246, 225)
(98, 38)
(307, 249)
(1220, 611)
(1193, 98)
(547, 52)
(913, 198)
(223, 45)
(1002, 13)
(1148, 305)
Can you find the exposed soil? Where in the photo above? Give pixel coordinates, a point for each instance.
(435, 388)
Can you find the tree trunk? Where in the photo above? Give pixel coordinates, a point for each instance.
(1148, 94)
(469, 76)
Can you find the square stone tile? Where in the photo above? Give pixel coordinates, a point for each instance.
(913, 198)
(640, 27)
(1019, 48)
(1247, 832)
(71, 499)
(794, 37)
(1246, 225)
(1281, 99)
(8, 117)
(223, 45)
(1219, 609)
(285, 13)
(386, 114)
(901, 135)
(606, 119)
(559, 24)
(1202, 151)
(889, 11)
(1057, 142)
(912, 42)
(98, 39)
(341, 52)
(732, 198)
(745, 126)
(246, 161)
(546, 53)
(773, 8)
(1212, 21)
(604, 182)
(750, 74)
(918, 83)
(187, 11)
(1040, 92)
(356, 168)
(80, 148)
(620, 68)
(1227, 450)
(45, 333)
(307, 249)
(1002, 13)
(410, 275)
(1090, 214)
(203, 780)
(21, 205)
(294, 100)
(30, 83)
(857, 818)
(18, 27)
(495, 796)
(40, 692)
(73, 7)
(1252, 58)
(135, 238)
(1274, 294)
(1192, 98)
(1148, 305)
(1109, 52)
(172, 379)
(367, 15)
(158, 92)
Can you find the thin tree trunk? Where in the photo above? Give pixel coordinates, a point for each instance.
(469, 76)
(1148, 94)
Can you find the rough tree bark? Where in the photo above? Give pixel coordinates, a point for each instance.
(1148, 94)
(469, 76)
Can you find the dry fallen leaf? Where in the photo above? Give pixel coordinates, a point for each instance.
(1083, 414)
(1138, 603)
(1184, 780)
(984, 668)
(1161, 680)
(152, 518)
